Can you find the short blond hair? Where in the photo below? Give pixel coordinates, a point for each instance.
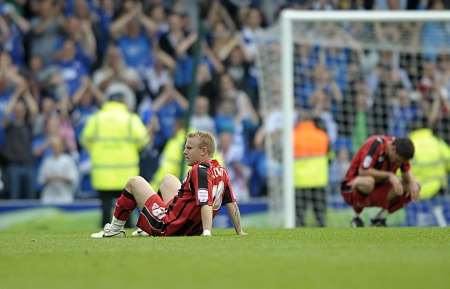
(206, 140)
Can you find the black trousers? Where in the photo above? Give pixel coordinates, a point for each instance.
(107, 198)
(314, 196)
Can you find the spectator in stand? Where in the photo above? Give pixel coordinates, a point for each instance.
(239, 68)
(82, 35)
(114, 76)
(134, 42)
(233, 154)
(177, 44)
(252, 24)
(434, 98)
(324, 100)
(55, 126)
(159, 75)
(104, 13)
(11, 86)
(45, 29)
(403, 113)
(201, 120)
(85, 103)
(169, 105)
(58, 174)
(13, 28)
(339, 165)
(17, 149)
(70, 70)
(158, 15)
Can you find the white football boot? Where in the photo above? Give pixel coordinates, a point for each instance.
(109, 232)
(140, 233)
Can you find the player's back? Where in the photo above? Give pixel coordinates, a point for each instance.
(370, 150)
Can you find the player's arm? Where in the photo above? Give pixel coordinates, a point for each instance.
(235, 216)
(207, 216)
(202, 188)
(412, 187)
(376, 174)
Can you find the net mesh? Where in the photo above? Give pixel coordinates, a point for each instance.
(357, 79)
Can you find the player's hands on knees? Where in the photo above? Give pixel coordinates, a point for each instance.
(413, 190)
(396, 184)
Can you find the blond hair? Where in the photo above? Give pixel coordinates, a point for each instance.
(206, 140)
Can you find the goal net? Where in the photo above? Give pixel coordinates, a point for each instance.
(357, 74)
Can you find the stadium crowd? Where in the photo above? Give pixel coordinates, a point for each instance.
(61, 60)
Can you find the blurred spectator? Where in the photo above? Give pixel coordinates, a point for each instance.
(82, 35)
(159, 17)
(17, 149)
(13, 28)
(201, 120)
(252, 23)
(134, 42)
(339, 165)
(324, 100)
(403, 113)
(71, 71)
(45, 29)
(177, 44)
(48, 107)
(434, 99)
(168, 106)
(58, 174)
(159, 75)
(360, 125)
(104, 13)
(11, 86)
(114, 76)
(233, 154)
(85, 103)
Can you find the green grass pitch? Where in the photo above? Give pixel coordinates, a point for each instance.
(60, 255)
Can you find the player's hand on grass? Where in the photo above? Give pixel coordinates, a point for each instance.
(206, 233)
(396, 184)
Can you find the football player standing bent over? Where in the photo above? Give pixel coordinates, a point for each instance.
(371, 180)
(179, 209)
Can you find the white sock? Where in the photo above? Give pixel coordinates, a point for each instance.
(381, 214)
(117, 224)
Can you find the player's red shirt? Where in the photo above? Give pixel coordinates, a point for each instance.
(373, 154)
(207, 183)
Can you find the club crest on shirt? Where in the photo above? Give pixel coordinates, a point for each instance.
(158, 212)
(367, 161)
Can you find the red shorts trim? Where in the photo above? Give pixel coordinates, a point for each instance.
(152, 216)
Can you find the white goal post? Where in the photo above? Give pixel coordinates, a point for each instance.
(286, 32)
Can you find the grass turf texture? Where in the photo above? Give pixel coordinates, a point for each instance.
(53, 256)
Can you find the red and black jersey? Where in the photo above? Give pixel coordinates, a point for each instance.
(373, 154)
(207, 183)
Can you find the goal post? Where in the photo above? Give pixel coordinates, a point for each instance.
(276, 63)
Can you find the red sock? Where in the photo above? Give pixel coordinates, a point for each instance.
(124, 206)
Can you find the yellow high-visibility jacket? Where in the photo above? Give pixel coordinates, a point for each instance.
(113, 137)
